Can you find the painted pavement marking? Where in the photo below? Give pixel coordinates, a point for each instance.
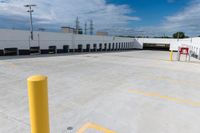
(94, 126)
(169, 98)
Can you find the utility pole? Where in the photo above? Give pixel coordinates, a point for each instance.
(178, 35)
(31, 18)
(85, 28)
(91, 27)
(77, 25)
(164, 35)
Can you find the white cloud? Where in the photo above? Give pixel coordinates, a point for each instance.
(64, 12)
(187, 20)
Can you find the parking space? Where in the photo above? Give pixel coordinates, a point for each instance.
(118, 92)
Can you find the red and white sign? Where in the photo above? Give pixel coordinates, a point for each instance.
(184, 50)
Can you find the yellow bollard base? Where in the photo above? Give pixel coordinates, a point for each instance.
(38, 104)
(171, 55)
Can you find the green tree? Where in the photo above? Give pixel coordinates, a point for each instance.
(179, 35)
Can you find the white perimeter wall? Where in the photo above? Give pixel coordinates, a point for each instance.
(20, 39)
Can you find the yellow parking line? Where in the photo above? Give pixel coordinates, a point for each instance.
(10, 64)
(94, 126)
(175, 81)
(164, 59)
(157, 95)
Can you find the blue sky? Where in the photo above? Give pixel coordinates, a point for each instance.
(152, 12)
(125, 17)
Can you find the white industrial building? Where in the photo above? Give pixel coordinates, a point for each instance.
(52, 42)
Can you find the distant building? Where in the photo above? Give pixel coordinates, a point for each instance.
(71, 30)
(102, 33)
(67, 29)
(80, 31)
(41, 29)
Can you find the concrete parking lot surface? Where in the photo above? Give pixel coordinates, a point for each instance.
(122, 92)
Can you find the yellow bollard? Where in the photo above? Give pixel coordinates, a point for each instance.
(38, 104)
(171, 55)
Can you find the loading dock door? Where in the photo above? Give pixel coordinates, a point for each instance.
(52, 49)
(148, 46)
(100, 47)
(105, 47)
(10, 51)
(113, 46)
(116, 47)
(35, 50)
(119, 46)
(34, 45)
(66, 48)
(109, 47)
(94, 47)
(88, 48)
(80, 48)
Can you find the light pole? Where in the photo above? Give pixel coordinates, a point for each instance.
(31, 19)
